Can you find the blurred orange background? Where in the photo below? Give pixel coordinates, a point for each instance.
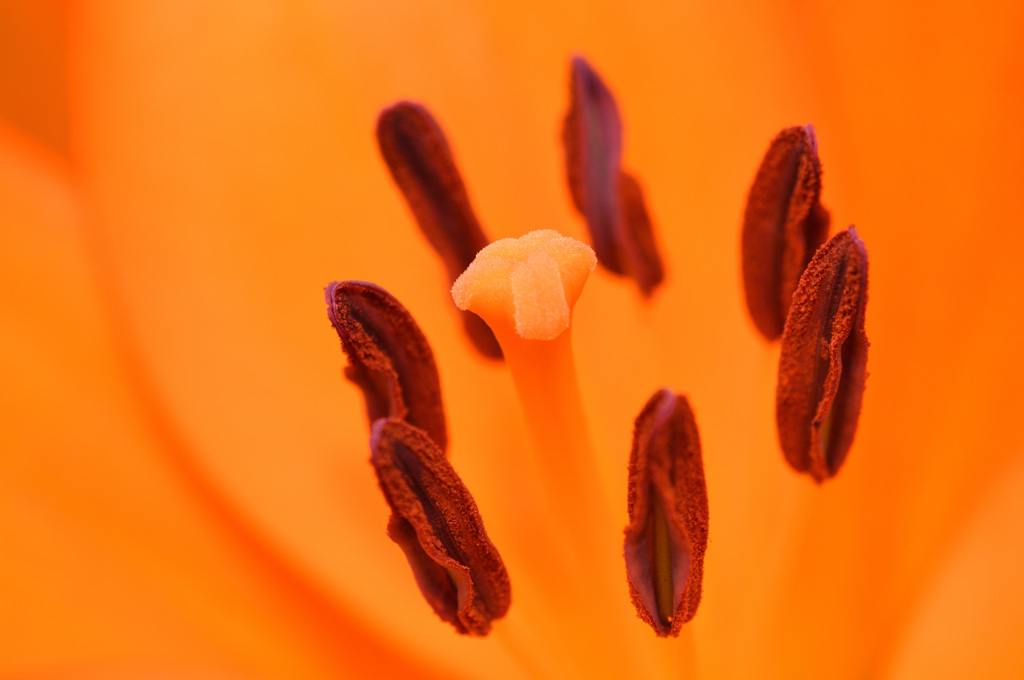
(183, 481)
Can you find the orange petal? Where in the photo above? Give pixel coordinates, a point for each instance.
(34, 69)
(970, 619)
(113, 557)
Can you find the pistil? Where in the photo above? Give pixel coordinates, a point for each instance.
(525, 289)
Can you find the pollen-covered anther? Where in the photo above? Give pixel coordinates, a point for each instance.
(609, 199)
(783, 224)
(421, 162)
(667, 498)
(528, 285)
(389, 358)
(435, 521)
(823, 360)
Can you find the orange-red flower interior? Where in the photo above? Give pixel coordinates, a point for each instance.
(184, 487)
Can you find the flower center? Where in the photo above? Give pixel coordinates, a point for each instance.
(517, 298)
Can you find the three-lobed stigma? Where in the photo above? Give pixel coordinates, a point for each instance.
(528, 284)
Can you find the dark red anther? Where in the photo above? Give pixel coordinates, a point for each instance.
(784, 223)
(823, 364)
(609, 199)
(389, 357)
(642, 250)
(420, 160)
(668, 514)
(435, 522)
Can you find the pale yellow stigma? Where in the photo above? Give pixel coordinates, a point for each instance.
(529, 284)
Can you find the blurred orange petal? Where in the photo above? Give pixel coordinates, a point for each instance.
(972, 612)
(223, 170)
(34, 71)
(112, 557)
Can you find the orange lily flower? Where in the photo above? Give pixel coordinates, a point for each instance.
(184, 487)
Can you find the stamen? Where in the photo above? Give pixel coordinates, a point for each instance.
(435, 521)
(610, 200)
(668, 514)
(389, 357)
(421, 162)
(823, 363)
(645, 267)
(783, 225)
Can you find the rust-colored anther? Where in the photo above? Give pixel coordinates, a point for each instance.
(823, 365)
(668, 514)
(783, 225)
(609, 199)
(435, 522)
(645, 268)
(421, 162)
(389, 358)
